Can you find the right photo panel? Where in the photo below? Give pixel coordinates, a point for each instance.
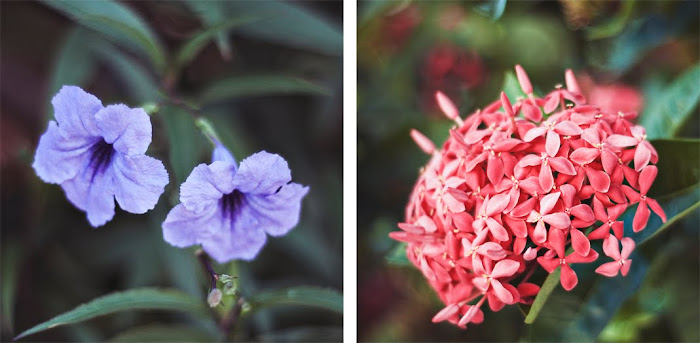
(528, 171)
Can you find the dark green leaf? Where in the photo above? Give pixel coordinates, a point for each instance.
(195, 44)
(117, 22)
(163, 333)
(288, 24)
(138, 81)
(397, 255)
(304, 334)
(671, 178)
(74, 63)
(212, 14)
(186, 142)
(667, 115)
(136, 299)
(259, 85)
(322, 298)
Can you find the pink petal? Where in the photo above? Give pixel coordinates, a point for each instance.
(454, 205)
(571, 83)
(641, 157)
(560, 220)
(534, 133)
(580, 243)
(575, 257)
(523, 79)
(423, 142)
(429, 274)
(505, 268)
(506, 144)
(656, 208)
(468, 316)
(518, 227)
(646, 178)
(557, 242)
(546, 178)
(540, 233)
(640, 217)
(530, 254)
(602, 232)
(627, 247)
(621, 141)
(457, 137)
(530, 160)
(501, 292)
(531, 112)
(618, 229)
(495, 304)
(609, 160)
(452, 245)
(519, 244)
(548, 202)
(497, 230)
(497, 204)
(591, 136)
(568, 192)
(584, 156)
(446, 313)
(549, 264)
(524, 208)
(568, 128)
(611, 247)
(552, 103)
(476, 136)
(625, 268)
(494, 169)
(446, 105)
(630, 194)
(598, 179)
(462, 221)
(583, 212)
(569, 280)
(475, 161)
(609, 269)
(630, 175)
(426, 223)
(506, 105)
(562, 165)
(552, 143)
(492, 250)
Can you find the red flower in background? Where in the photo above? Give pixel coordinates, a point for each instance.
(476, 236)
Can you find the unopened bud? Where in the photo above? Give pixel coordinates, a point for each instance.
(446, 105)
(214, 297)
(571, 83)
(523, 79)
(423, 142)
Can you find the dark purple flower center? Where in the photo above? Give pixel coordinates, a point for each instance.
(101, 157)
(231, 202)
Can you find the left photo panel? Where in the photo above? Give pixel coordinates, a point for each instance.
(171, 171)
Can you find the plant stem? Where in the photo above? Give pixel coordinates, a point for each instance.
(206, 264)
(228, 323)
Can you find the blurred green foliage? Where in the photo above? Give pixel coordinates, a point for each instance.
(408, 50)
(266, 76)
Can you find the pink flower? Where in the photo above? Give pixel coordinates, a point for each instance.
(646, 178)
(621, 262)
(550, 264)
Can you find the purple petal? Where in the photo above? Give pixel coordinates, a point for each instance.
(128, 129)
(220, 153)
(139, 181)
(58, 159)
(74, 110)
(278, 213)
(262, 173)
(182, 227)
(206, 185)
(239, 238)
(93, 192)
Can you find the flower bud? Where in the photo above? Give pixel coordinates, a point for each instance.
(214, 297)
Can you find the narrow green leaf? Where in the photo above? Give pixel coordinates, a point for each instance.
(256, 85)
(198, 41)
(186, 142)
(397, 255)
(138, 81)
(212, 14)
(671, 178)
(135, 299)
(73, 65)
(666, 116)
(550, 283)
(163, 333)
(117, 22)
(322, 298)
(289, 24)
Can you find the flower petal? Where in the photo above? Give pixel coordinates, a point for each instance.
(584, 155)
(549, 264)
(568, 128)
(74, 110)
(598, 179)
(220, 153)
(580, 243)
(627, 247)
(237, 238)
(139, 181)
(642, 156)
(548, 202)
(206, 184)
(562, 165)
(646, 178)
(569, 280)
(92, 192)
(57, 158)
(181, 227)
(609, 269)
(278, 213)
(546, 178)
(505, 268)
(534, 133)
(497, 230)
(621, 141)
(552, 143)
(641, 217)
(262, 173)
(501, 292)
(128, 129)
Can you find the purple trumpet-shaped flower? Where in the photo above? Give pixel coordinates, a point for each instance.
(97, 155)
(230, 210)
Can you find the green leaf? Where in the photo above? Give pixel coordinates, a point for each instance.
(186, 142)
(676, 206)
(74, 64)
(511, 87)
(322, 298)
(138, 81)
(257, 85)
(288, 24)
(212, 14)
(135, 299)
(666, 116)
(397, 255)
(163, 333)
(304, 334)
(671, 178)
(195, 44)
(117, 22)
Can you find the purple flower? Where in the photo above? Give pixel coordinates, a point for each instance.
(97, 153)
(229, 209)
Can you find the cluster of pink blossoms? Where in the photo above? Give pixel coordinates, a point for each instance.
(514, 186)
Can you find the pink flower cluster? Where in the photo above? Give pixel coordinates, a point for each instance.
(514, 186)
